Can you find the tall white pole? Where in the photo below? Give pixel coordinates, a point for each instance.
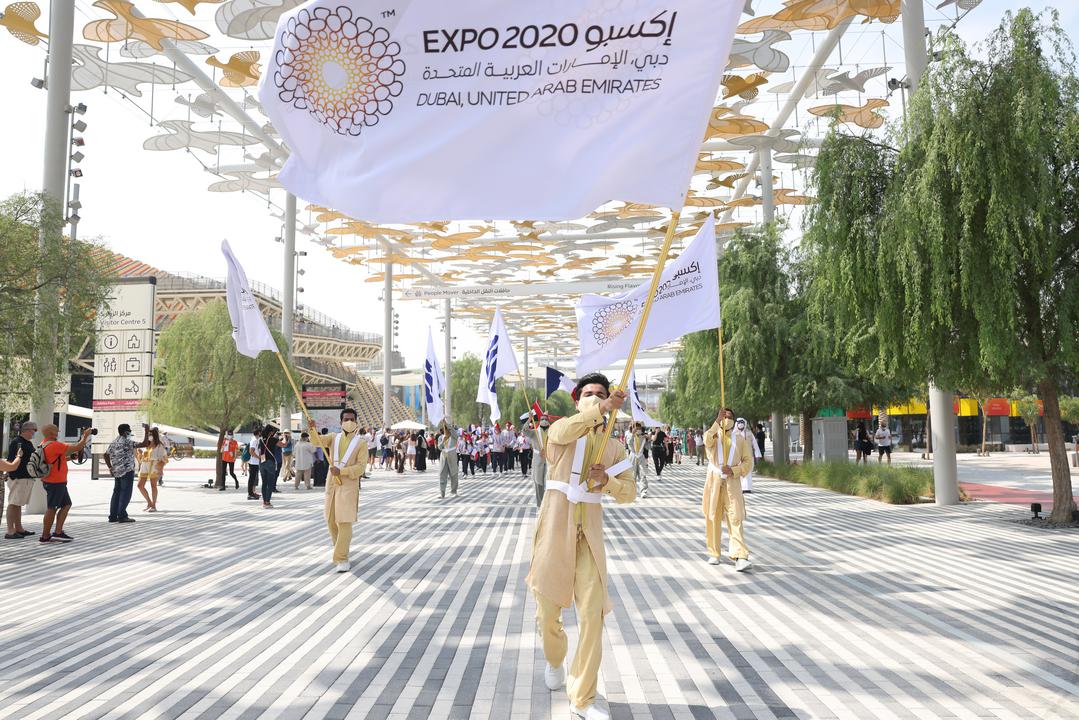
(768, 205)
(57, 154)
(447, 370)
(942, 414)
(288, 294)
(387, 343)
(526, 363)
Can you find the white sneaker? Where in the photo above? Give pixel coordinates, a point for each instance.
(343, 566)
(589, 713)
(714, 561)
(644, 494)
(741, 564)
(554, 677)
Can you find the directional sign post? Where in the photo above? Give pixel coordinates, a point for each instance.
(123, 359)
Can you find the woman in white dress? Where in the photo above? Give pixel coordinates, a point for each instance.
(410, 451)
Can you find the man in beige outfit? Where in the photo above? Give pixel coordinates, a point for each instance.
(727, 464)
(346, 452)
(569, 564)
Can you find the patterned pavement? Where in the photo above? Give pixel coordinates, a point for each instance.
(215, 608)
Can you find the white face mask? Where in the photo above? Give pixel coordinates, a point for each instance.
(349, 426)
(587, 403)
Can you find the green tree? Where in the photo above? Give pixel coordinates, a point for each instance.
(62, 286)
(1030, 410)
(778, 356)
(1069, 409)
(202, 381)
(982, 224)
(962, 251)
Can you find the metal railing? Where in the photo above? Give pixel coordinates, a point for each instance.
(308, 321)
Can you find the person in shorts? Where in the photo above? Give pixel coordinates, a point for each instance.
(19, 485)
(57, 499)
(883, 438)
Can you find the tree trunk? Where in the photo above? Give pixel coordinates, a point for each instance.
(985, 425)
(1063, 501)
(807, 434)
(1033, 440)
(219, 475)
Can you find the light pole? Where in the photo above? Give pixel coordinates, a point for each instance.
(54, 182)
(387, 342)
(448, 372)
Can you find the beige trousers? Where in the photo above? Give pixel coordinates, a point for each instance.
(340, 534)
(732, 507)
(588, 598)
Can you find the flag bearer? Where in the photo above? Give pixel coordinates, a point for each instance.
(730, 458)
(568, 560)
(346, 452)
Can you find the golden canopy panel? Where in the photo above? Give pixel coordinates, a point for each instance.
(191, 5)
(745, 87)
(126, 26)
(20, 19)
(242, 69)
(822, 14)
(863, 116)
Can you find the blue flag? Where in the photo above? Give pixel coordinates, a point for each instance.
(557, 380)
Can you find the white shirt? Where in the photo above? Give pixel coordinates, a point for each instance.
(253, 447)
(883, 436)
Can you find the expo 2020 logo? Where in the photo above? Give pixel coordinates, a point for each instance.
(611, 321)
(341, 69)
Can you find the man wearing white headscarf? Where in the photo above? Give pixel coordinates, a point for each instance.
(729, 460)
(741, 428)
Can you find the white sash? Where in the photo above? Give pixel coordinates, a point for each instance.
(348, 453)
(576, 491)
(730, 455)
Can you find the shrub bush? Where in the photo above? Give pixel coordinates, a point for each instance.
(896, 485)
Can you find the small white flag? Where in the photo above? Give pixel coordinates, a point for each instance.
(248, 326)
(687, 300)
(499, 360)
(497, 109)
(637, 406)
(433, 384)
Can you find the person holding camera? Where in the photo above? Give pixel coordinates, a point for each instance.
(57, 498)
(120, 459)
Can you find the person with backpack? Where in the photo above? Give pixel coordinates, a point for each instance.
(49, 464)
(19, 485)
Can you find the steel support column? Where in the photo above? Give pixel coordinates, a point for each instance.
(447, 369)
(387, 343)
(57, 153)
(288, 295)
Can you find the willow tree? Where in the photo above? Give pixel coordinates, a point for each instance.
(202, 381)
(981, 243)
(777, 357)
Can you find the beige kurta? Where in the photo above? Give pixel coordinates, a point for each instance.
(343, 497)
(554, 545)
(716, 447)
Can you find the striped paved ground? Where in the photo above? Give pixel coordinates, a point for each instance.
(217, 609)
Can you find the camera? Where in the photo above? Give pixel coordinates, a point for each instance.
(93, 431)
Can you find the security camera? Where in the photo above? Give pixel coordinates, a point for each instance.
(38, 83)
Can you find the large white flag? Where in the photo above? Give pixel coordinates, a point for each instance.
(687, 300)
(433, 384)
(637, 406)
(248, 326)
(498, 109)
(499, 360)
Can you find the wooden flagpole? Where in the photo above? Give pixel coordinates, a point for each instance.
(668, 240)
(296, 390)
(722, 391)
